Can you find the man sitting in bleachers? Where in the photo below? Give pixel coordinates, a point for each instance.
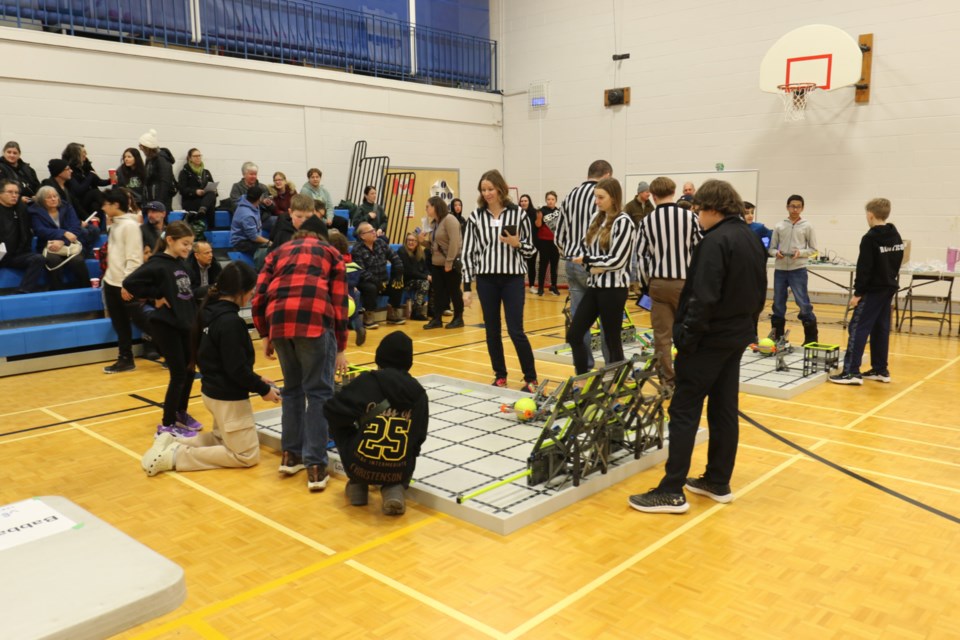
(373, 253)
(16, 238)
(153, 226)
(204, 269)
(246, 225)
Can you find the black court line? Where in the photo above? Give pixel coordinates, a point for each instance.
(146, 400)
(852, 474)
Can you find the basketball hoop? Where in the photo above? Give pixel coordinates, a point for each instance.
(794, 98)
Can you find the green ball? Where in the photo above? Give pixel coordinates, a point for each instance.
(351, 307)
(525, 408)
(766, 345)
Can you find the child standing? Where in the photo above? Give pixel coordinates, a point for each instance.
(792, 243)
(875, 284)
(165, 280)
(225, 355)
(125, 257)
(379, 422)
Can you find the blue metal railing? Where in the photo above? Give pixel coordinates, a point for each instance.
(288, 31)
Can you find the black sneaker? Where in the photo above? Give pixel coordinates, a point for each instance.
(879, 376)
(291, 463)
(122, 365)
(719, 492)
(846, 378)
(655, 501)
(317, 478)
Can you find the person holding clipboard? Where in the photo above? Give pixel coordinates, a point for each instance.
(497, 242)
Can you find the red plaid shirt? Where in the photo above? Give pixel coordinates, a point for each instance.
(302, 292)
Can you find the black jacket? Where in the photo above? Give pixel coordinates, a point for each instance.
(413, 269)
(23, 174)
(65, 194)
(127, 177)
(725, 290)
(158, 184)
(188, 183)
(163, 276)
(374, 261)
(226, 356)
(382, 442)
(15, 229)
(881, 253)
(213, 272)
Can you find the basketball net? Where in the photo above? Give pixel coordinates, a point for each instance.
(794, 98)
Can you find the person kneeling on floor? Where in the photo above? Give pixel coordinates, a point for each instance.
(379, 422)
(225, 355)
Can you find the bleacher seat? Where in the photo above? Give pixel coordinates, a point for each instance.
(221, 220)
(218, 239)
(39, 339)
(239, 256)
(50, 303)
(175, 216)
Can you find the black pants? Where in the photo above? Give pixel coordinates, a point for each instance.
(549, 256)
(120, 319)
(446, 286)
(75, 265)
(370, 291)
(606, 304)
(707, 372)
(32, 265)
(174, 345)
(532, 271)
(506, 292)
(207, 202)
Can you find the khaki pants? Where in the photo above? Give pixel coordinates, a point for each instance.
(665, 298)
(232, 442)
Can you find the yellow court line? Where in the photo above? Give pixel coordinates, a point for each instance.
(206, 630)
(630, 562)
(254, 592)
(39, 434)
(930, 485)
(919, 424)
(427, 600)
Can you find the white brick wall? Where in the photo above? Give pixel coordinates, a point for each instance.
(693, 73)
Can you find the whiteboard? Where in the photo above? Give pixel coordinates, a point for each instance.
(746, 182)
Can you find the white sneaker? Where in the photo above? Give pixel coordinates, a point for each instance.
(160, 456)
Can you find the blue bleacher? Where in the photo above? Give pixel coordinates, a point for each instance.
(239, 256)
(41, 305)
(221, 220)
(57, 337)
(218, 239)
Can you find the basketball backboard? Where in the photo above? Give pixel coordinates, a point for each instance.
(818, 53)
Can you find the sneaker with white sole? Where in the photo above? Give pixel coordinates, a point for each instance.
(188, 422)
(846, 378)
(317, 478)
(719, 492)
(879, 376)
(160, 456)
(291, 464)
(655, 501)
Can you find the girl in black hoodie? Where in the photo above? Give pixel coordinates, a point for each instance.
(224, 352)
(164, 280)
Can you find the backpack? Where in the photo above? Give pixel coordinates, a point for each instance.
(174, 186)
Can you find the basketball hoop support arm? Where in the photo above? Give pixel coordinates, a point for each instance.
(862, 86)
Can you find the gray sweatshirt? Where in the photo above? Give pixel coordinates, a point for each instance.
(788, 237)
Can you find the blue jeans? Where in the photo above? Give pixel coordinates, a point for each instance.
(308, 366)
(577, 281)
(507, 291)
(870, 320)
(796, 280)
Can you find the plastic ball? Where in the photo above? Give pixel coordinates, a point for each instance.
(766, 345)
(351, 307)
(525, 408)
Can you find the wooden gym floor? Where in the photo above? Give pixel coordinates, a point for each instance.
(846, 528)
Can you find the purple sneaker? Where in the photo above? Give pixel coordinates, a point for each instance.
(188, 422)
(175, 430)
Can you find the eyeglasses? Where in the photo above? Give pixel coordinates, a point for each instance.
(197, 155)
(363, 233)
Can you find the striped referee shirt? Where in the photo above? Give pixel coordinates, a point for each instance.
(665, 242)
(484, 254)
(611, 268)
(576, 212)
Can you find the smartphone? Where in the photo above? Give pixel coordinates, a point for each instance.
(509, 230)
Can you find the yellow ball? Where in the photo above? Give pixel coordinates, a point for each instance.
(525, 408)
(351, 307)
(766, 345)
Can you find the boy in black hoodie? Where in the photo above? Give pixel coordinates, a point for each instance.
(379, 422)
(881, 253)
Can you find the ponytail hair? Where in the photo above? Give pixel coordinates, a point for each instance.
(236, 278)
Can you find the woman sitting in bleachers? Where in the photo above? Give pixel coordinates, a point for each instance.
(194, 178)
(282, 190)
(84, 183)
(131, 173)
(416, 276)
(62, 236)
(12, 167)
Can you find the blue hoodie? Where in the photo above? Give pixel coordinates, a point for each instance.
(246, 223)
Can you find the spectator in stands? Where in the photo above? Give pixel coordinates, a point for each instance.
(371, 212)
(543, 239)
(526, 206)
(164, 280)
(84, 183)
(159, 183)
(315, 190)
(416, 276)
(300, 309)
(246, 226)
(689, 190)
(17, 237)
(333, 221)
(250, 172)
(125, 256)
(373, 253)
(193, 182)
(153, 227)
(12, 167)
(131, 173)
(456, 208)
(60, 173)
(281, 191)
(57, 227)
(444, 240)
(204, 269)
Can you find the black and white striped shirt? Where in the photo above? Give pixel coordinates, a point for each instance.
(576, 212)
(484, 254)
(665, 242)
(611, 268)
